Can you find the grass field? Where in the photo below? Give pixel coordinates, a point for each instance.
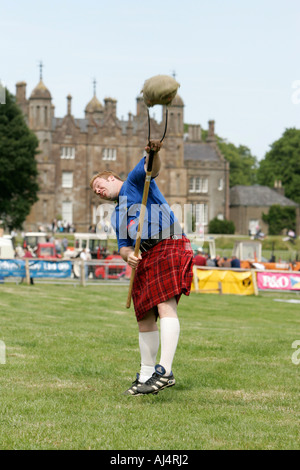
(72, 351)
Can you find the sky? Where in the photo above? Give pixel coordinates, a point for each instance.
(237, 61)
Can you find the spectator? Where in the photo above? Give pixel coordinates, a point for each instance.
(226, 263)
(199, 259)
(19, 252)
(65, 244)
(291, 236)
(210, 262)
(235, 262)
(54, 225)
(217, 261)
(58, 246)
(85, 255)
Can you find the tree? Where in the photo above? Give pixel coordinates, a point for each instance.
(282, 163)
(280, 218)
(243, 165)
(18, 175)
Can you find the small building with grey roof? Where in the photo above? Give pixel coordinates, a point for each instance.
(249, 203)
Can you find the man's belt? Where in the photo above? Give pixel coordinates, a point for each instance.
(174, 232)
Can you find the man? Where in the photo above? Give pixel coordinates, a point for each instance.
(163, 269)
(85, 255)
(235, 262)
(199, 259)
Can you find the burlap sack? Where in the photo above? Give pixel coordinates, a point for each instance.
(160, 89)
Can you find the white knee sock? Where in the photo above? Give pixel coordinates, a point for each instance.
(169, 335)
(149, 344)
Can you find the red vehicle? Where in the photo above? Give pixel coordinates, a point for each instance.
(112, 271)
(47, 251)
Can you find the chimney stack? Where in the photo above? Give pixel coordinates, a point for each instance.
(69, 99)
(211, 132)
(278, 187)
(21, 92)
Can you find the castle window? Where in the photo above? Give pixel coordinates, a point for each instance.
(200, 214)
(45, 211)
(221, 184)
(67, 153)
(178, 184)
(179, 123)
(45, 177)
(109, 154)
(67, 179)
(37, 114)
(67, 211)
(198, 185)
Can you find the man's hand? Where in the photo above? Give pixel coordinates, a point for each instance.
(154, 145)
(127, 254)
(133, 261)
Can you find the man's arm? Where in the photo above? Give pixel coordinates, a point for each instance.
(156, 146)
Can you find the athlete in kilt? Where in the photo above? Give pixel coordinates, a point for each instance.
(163, 269)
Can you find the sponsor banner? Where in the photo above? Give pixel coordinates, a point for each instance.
(12, 267)
(38, 268)
(233, 282)
(50, 268)
(279, 281)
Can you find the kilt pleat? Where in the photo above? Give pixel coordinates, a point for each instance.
(165, 271)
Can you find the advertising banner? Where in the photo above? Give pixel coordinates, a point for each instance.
(232, 282)
(12, 267)
(37, 268)
(278, 281)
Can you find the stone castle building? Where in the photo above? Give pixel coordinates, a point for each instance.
(72, 150)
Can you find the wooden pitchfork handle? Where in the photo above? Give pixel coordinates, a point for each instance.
(143, 208)
(141, 222)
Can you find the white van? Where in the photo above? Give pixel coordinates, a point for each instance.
(6, 247)
(32, 239)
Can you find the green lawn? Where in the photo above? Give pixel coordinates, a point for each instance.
(72, 351)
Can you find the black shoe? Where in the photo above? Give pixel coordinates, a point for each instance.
(157, 382)
(133, 390)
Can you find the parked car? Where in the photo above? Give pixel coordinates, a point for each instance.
(113, 268)
(47, 251)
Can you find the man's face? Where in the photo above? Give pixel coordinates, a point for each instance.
(106, 189)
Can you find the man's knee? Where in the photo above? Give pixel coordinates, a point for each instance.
(168, 308)
(148, 322)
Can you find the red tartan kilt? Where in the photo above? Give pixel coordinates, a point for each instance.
(165, 271)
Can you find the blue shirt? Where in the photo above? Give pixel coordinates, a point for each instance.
(125, 217)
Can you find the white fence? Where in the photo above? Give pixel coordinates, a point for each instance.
(74, 271)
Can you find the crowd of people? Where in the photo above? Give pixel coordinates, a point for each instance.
(62, 226)
(204, 259)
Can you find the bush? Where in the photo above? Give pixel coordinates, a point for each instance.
(221, 226)
(280, 218)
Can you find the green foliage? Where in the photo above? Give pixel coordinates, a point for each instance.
(280, 218)
(18, 176)
(243, 165)
(282, 162)
(221, 226)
